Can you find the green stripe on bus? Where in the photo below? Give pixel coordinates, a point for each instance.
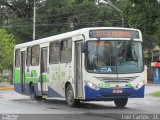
(33, 77)
(44, 78)
(16, 75)
(34, 73)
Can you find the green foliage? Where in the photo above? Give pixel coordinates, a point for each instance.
(55, 16)
(16, 16)
(21, 29)
(7, 43)
(144, 15)
(81, 13)
(156, 94)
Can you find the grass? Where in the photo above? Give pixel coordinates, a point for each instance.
(156, 94)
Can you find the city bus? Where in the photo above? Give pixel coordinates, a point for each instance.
(89, 64)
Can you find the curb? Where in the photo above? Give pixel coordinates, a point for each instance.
(152, 84)
(6, 88)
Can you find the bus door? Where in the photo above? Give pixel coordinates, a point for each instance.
(78, 70)
(22, 69)
(43, 70)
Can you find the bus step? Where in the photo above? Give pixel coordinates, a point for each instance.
(44, 96)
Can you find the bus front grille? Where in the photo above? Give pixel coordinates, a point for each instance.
(117, 79)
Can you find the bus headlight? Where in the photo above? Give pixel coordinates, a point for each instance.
(139, 85)
(92, 85)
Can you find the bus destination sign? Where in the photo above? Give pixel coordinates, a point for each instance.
(109, 33)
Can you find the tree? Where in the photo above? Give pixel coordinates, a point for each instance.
(17, 17)
(144, 15)
(74, 14)
(7, 43)
(55, 16)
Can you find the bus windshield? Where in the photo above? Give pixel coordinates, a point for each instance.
(114, 57)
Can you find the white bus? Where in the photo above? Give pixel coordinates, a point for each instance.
(89, 64)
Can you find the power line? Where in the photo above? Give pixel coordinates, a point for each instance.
(70, 13)
(42, 21)
(56, 18)
(54, 24)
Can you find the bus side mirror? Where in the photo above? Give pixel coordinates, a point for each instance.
(83, 47)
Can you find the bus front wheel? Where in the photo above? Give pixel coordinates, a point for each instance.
(71, 101)
(121, 102)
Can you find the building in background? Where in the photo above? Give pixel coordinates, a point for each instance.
(149, 62)
(6, 75)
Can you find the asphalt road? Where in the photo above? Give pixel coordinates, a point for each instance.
(20, 107)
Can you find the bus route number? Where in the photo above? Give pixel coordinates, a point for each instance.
(104, 85)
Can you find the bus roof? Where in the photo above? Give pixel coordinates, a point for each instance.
(67, 35)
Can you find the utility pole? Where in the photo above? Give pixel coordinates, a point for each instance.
(34, 20)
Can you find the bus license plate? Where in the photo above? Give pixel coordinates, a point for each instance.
(117, 91)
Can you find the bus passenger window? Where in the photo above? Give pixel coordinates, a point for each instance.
(17, 58)
(66, 51)
(28, 62)
(54, 52)
(35, 55)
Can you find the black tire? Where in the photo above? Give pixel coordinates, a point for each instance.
(33, 93)
(121, 102)
(70, 97)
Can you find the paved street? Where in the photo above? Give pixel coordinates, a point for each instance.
(14, 103)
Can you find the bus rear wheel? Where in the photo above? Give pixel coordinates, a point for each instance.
(121, 102)
(71, 101)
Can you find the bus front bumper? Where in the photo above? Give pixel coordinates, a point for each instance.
(108, 94)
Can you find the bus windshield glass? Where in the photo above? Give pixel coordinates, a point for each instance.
(114, 57)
